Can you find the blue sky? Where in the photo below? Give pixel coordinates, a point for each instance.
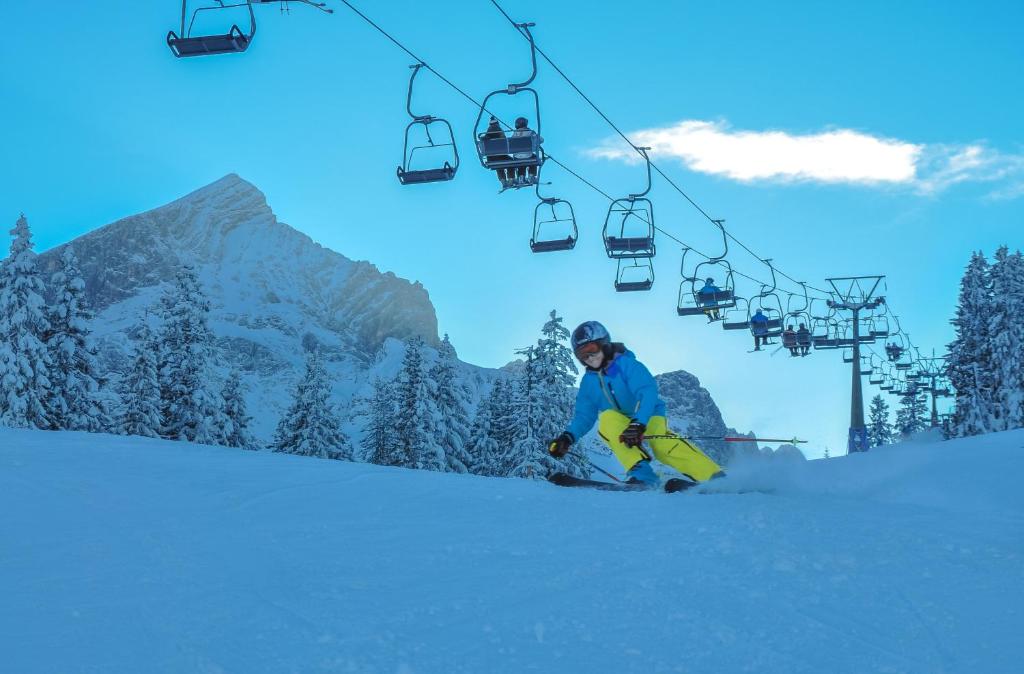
(875, 138)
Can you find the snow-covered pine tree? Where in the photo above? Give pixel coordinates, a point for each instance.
(970, 358)
(523, 441)
(551, 368)
(1006, 332)
(311, 427)
(452, 401)
(76, 402)
(379, 444)
(879, 429)
(237, 432)
(415, 423)
(24, 361)
(485, 453)
(910, 417)
(140, 389)
(191, 406)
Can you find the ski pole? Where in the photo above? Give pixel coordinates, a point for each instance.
(594, 465)
(726, 438)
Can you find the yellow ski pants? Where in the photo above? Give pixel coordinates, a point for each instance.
(675, 451)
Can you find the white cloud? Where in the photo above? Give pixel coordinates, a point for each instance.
(833, 156)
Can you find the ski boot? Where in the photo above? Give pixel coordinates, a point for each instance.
(642, 473)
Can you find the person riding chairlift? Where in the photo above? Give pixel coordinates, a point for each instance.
(789, 340)
(803, 339)
(494, 132)
(706, 295)
(759, 327)
(525, 175)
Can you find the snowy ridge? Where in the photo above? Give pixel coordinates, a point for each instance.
(127, 554)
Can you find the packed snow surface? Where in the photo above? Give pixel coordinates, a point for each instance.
(134, 555)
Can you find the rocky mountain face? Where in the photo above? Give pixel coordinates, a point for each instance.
(692, 412)
(258, 269)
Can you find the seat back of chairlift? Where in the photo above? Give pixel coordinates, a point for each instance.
(498, 153)
(543, 224)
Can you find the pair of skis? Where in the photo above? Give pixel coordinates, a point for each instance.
(670, 486)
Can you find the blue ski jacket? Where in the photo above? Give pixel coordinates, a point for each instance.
(624, 384)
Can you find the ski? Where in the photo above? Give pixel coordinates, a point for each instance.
(672, 485)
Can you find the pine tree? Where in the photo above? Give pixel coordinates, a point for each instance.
(970, 357)
(191, 407)
(550, 396)
(910, 418)
(379, 444)
(1006, 330)
(451, 398)
(484, 451)
(415, 430)
(237, 432)
(310, 427)
(24, 361)
(76, 402)
(140, 389)
(879, 430)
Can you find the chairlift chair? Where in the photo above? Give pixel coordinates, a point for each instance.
(633, 274)
(737, 318)
(186, 43)
(694, 302)
(410, 176)
(234, 41)
(501, 153)
(629, 225)
(552, 217)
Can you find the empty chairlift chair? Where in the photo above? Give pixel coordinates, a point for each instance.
(407, 175)
(554, 225)
(737, 318)
(633, 274)
(629, 225)
(190, 44)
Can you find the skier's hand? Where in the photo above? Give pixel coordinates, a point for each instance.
(559, 447)
(634, 434)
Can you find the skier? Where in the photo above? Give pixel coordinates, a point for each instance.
(619, 393)
(759, 326)
(706, 295)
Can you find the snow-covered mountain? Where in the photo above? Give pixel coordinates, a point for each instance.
(121, 554)
(274, 293)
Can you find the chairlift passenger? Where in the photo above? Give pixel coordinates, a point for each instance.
(525, 175)
(494, 132)
(759, 328)
(803, 339)
(789, 340)
(708, 298)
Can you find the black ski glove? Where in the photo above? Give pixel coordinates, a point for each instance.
(634, 434)
(559, 447)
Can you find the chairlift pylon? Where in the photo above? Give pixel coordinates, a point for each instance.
(410, 176)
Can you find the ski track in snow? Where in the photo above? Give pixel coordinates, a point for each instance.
(137, 555)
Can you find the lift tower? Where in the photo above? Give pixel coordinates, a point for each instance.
(856, 293)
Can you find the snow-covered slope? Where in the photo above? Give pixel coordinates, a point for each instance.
(131, 555)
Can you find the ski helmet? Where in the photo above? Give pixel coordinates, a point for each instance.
(588, 332)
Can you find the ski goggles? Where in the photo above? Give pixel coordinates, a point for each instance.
(587, 350)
